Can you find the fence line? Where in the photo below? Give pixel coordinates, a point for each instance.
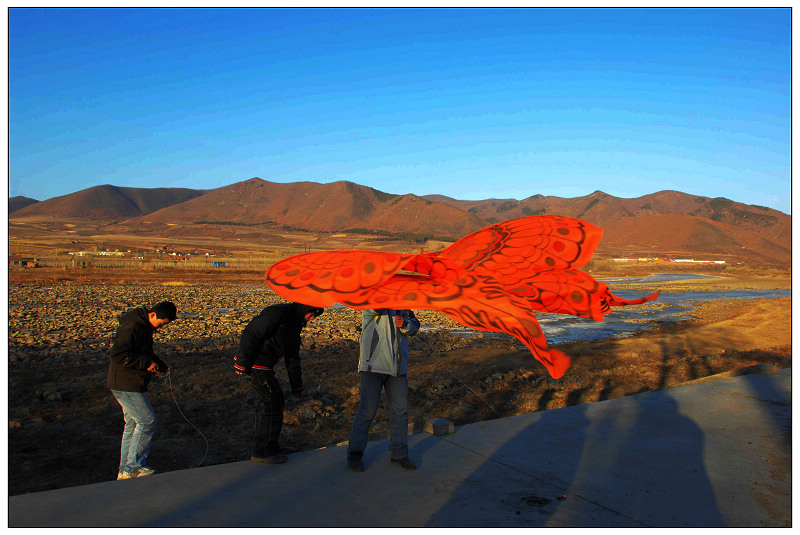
(95, 263)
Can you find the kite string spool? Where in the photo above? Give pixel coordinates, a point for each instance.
(169, 381)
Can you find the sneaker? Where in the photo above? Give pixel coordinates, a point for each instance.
(143, 472)
(124, 475)
(272, 459)
(406, 463)
(354, 461)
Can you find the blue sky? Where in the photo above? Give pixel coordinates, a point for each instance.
(472, 104)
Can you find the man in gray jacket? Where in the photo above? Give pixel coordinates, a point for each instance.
(383, 364)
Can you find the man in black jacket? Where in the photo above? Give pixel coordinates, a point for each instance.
(273, 334)
(132, 364)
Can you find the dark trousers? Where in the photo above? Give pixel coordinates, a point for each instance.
(269, 412)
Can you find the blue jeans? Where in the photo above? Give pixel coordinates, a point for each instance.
(140, 426)
(397, 392)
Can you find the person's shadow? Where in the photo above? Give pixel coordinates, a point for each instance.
(640, 464)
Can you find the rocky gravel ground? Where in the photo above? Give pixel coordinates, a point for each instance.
(75, 323)
(65, 427)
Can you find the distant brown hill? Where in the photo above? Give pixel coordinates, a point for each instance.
(685, 236)
(18, 202)
(321, 207)
(108, 203)
(662, 224)
(600, 209)
(695, 224)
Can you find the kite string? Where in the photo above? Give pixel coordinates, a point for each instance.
(468, 388)
(169, 381)
(330, 429)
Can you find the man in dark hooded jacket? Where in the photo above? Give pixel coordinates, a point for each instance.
(132, 363)
(273, 334)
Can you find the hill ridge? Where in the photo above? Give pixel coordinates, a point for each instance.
(664, 222)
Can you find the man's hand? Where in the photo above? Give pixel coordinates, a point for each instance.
(400, 321)
(153, 368)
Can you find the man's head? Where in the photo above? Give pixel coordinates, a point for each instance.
(162, 313)
(313, 313)
(306, 312)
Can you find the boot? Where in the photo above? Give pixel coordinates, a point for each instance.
(354, 461)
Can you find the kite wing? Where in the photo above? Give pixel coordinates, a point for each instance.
(568, 292)
(534, 243)
(481, 305)
(327, 277)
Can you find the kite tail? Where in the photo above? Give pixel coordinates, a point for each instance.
(556, 362)
(615, 301)
(560, 363)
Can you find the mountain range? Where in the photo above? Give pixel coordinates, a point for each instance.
(665, 223)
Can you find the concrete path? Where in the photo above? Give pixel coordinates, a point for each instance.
(712, 453)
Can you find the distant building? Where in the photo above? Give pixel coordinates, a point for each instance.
(20, 261)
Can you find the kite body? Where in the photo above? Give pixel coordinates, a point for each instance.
(492, 280)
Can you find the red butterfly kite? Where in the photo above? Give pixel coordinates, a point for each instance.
(491, 280)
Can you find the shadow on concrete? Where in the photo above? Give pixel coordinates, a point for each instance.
(710, 454)
(640, 465)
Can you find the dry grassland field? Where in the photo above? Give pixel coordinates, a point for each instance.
(65, 427)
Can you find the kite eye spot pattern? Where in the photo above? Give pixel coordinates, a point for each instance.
(563, 231)
(381, 299)
(369, 267)
(293, 272)
(577, 297)
(549, 261)
(346, 272)
(324, 275)
(558, 246)
(411, 296)
(307, 275)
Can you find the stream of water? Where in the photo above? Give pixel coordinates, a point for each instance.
(622, 321)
